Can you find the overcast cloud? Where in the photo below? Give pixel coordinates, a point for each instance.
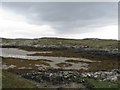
(77, 20)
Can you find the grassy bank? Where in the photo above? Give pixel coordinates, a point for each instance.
(0, 79)
(10, 80)
(96, 84)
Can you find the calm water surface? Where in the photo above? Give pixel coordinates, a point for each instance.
(17, 53)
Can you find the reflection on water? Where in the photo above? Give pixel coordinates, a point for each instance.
(17, 53)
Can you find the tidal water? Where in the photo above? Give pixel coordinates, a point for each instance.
(18, 53)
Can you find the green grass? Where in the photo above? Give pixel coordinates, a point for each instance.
(91, 83)
(10, 80)
(0, 79)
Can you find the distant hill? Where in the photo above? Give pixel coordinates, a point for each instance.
(48, 41)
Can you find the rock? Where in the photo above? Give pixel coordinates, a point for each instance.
(59, 76)
(21, 68)
(114, 78)
(88, 75)
(84, 75)
(8, 66)
(51, 74)
(96, 76)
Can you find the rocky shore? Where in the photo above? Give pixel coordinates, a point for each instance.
(62, 76)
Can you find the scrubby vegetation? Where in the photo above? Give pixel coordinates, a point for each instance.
(94, 43)
(64, 65)
(25, 63)
(77, 61)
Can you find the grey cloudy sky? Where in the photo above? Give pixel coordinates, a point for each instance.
(60, 19)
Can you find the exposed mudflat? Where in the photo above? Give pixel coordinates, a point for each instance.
(22, 54)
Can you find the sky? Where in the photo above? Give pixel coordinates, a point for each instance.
(76, 20)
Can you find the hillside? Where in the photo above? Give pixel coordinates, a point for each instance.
(53, 42)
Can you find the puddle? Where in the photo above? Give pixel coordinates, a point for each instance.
(17, 53)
